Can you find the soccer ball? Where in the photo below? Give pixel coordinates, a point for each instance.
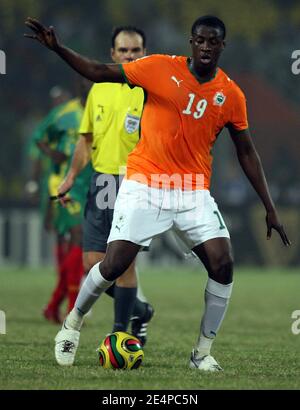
(120, 350)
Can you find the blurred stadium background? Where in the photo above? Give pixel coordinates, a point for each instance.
(262, 35)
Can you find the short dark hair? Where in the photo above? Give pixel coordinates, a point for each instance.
(210, 21)
(127, 29)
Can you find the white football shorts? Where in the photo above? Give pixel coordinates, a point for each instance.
(142, 213)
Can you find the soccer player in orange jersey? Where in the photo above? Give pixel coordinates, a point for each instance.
(189, 101)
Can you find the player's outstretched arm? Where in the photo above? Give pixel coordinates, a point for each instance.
(251, 165)
(93, 70)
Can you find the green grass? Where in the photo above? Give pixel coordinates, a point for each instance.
(255, 345)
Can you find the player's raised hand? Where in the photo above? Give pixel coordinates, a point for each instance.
(44, 35)
(273, 222)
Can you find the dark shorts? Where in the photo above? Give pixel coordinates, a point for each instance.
(99, 209)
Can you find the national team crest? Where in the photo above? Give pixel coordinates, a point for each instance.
(219, 98)
(132, 123)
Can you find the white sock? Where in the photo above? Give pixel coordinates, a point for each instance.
(203, 346)
(217, 297)
(93, 286)
(74, 320)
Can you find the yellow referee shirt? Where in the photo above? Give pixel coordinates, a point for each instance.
(112, 115)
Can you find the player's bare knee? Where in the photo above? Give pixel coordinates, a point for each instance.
(117, 260)
(112, 269)
(222, 269)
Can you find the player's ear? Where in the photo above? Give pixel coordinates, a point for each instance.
(223, 45)
(191, 40)
(112, 54)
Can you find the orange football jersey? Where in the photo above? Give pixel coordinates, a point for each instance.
(181, 121)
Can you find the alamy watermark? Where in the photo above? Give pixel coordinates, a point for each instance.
(296, 324)
(2, 62)
(2, 323)
(296, 64)
(160, 191)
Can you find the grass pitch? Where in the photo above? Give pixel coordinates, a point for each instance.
(255, 345)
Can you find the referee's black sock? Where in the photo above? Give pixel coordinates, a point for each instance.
(125, 300)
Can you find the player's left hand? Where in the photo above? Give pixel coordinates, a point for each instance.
(273, 222)
(64, 188)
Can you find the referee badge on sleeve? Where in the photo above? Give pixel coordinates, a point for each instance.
(132, 123)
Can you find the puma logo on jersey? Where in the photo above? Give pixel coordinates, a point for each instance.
(176, 81)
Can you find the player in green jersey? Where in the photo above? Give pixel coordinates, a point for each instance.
(57, 139)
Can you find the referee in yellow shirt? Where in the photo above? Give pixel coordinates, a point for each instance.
(109, 132)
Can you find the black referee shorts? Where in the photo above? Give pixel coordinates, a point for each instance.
(99, 209)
